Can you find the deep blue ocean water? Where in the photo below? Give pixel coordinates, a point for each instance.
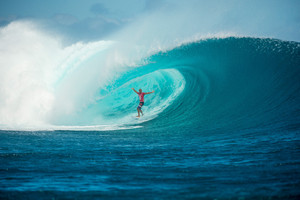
(223, 123)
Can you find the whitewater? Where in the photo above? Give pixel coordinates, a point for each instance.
(223, 123)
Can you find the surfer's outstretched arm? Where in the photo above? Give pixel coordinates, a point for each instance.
(134, 90)
(150, 92)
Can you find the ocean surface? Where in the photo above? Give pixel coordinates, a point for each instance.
(223, 123)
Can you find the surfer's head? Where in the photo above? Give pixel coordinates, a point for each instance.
(140, 90)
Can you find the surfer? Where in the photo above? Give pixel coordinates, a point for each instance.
(141, 97)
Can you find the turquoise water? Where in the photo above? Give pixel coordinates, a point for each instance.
(223, 123)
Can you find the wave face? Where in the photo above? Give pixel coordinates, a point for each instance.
(232, 84)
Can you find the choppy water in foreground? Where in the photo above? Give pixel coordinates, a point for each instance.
(146, 165)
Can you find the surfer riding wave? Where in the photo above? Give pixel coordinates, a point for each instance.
(141, 97)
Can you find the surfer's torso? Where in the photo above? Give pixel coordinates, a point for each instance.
(141, 96)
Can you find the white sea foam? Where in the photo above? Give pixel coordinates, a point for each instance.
(41, 79)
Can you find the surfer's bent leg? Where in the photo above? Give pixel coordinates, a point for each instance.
(138, 112)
